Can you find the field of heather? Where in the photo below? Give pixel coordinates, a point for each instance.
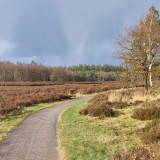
(16, 95)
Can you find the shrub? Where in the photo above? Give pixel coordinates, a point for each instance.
(151, 133)
(119, 105)
(138, 154)
(147, 113)
(102, 97)
(100, 107)
(135, 103)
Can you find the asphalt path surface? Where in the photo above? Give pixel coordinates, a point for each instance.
(35, 138)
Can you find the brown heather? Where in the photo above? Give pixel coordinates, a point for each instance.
(14, 95)
(100, 107)
(149, 111)
(141, 153)
(151, 133)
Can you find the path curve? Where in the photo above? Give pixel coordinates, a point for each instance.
(35, 137)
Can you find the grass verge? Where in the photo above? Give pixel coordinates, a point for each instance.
(84, 137)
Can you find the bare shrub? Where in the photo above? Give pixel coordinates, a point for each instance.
(151, 133)
(149, 111)
(138, 154)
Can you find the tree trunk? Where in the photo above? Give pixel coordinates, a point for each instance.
(150, 75)
(146, 81)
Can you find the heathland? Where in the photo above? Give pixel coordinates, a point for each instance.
(121, 122)
(16, 95)
(20, 99)
(117, 125)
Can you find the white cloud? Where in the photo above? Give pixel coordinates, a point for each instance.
(6, 47)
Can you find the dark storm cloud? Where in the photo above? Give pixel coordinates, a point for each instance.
(60, 32)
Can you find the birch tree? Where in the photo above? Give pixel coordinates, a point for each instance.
(150, 27)
(139, 47)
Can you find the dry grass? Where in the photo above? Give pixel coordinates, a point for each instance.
(133, 95)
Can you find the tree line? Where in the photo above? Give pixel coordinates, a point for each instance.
(24, 72)
(10, 72)
(138, 48)
(94, 72)
(99, 67)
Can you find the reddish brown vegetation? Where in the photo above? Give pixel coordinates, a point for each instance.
(15, 95)
(30, 83)
(139, 154)
(151, 133)
(149, 111)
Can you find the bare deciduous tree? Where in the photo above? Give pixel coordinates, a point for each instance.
(139, 47)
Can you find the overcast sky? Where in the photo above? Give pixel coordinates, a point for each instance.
(66, 32)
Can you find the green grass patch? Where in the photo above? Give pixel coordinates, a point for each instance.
(84, 137)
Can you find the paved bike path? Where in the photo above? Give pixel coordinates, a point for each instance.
(35, 137)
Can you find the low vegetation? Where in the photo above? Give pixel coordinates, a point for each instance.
(148, 112)
(17, 95)
(152, 132)
(112, 126)
(97, 139)
(101, 107)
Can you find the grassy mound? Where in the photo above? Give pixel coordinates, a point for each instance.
(103, 109)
